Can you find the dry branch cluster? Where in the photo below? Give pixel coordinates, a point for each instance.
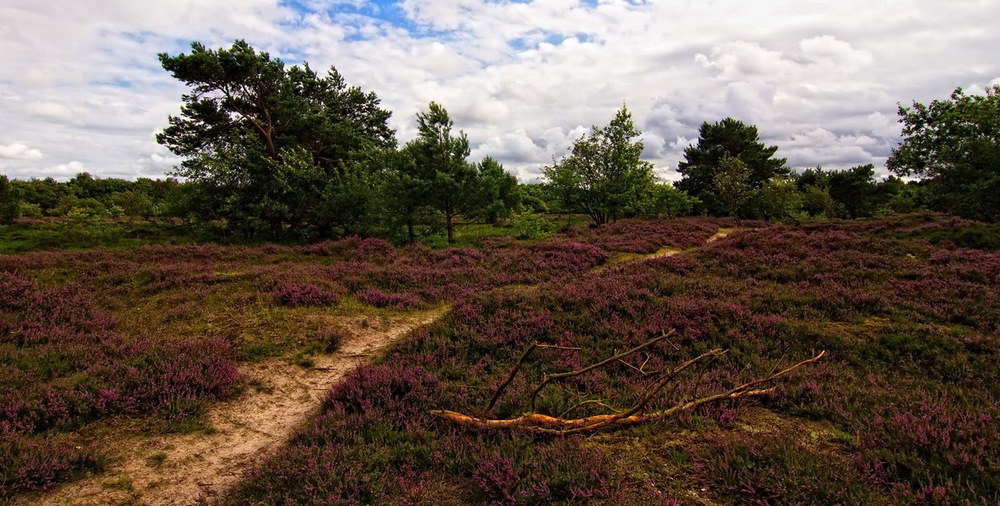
(636, 414)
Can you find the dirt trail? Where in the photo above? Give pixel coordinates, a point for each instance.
(671, 251)
(178, 469)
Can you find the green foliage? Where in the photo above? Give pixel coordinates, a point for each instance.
(716, 141)
(529, 225)
(10, 208)
(497, 194)
(955, 144)
(432, 178)
(732, 184)
(271, 146)
(667, 200)
(604, 176)
(75, 207)
(779, 199)
(436, 173)
(855, 190)
(979, 236)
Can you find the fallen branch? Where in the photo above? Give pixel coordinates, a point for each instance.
(544, 424)
(560, 376)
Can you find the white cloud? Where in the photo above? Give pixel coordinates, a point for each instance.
(81, 81)
(51, 111)
(19, 151)
(827, 50)
(68, 170)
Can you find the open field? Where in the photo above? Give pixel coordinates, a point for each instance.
(114, 348)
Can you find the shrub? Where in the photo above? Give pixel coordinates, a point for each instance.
(301, 294)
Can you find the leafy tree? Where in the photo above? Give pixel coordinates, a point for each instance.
(716, 141)
(732, 184)
(855, 190)
(604, 176)
(10, 204)
(270, 146)
(815, 187)
(434, 171)
(44, 192)
(132, 203)
(779, 199)
(666, 199)
(497, 193)
(956, 145)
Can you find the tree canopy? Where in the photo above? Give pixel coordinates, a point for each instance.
(270, 145)
(604, 175)
(716, 142)
(955, 144)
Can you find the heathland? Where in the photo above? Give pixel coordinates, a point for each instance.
(112, 355)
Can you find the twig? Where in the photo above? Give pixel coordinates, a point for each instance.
(510, 378)
(543, 424)
(549, 378)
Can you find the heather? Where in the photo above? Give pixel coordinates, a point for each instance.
(902, 411)
(155, 332)
(65, 365)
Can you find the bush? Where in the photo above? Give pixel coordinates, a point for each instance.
(302, 294)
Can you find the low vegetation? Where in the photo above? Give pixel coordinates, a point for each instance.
(902, 410)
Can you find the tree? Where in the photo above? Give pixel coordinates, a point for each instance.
(732, 184)
(9, 202)
(497, 193)
(604, 175)
(855, 190)
(955, 144)
(716, 141)
(435, 172)
(779, 199)
(666, 199)
(815, 187)
(270, 146)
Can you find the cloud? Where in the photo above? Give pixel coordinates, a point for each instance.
(18, 151)
(81, 81)
(51, 111)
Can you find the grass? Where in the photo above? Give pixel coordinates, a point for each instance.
(901, 412)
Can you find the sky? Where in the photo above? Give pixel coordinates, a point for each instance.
(81, 88)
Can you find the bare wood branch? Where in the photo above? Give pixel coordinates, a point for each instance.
(510, 378)
(584, 403)
(549, 378)
(554, 347)
(543, 424)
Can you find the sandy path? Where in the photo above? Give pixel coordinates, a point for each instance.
(178, 469)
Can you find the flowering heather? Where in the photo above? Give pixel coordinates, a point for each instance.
(64, 365)
(906, 402)
(902, 411)
(379, 299)
(301, 294)
(648, 236)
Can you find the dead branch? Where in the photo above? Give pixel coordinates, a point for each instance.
(549, 378)
(544, 424)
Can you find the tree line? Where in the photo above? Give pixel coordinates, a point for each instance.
(276, 152)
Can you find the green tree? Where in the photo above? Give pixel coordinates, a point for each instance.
(666, 199)
(44, 192)
(732, 184)
(270, 146)
(434, 170)
(855, 190)
(10, 204)
(604, 176)
(497, 193)
(955, 144)
(780, 199)
(815, 187)
(716, 141)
